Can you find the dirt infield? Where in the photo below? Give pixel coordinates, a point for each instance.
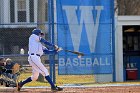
(101, 89)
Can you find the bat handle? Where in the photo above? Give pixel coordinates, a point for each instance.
(59, 49)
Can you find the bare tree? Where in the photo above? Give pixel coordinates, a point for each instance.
(41, 25)
(128, 7)
(41, 14)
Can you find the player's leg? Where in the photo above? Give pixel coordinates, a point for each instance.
(34, 77)
(14, 76)
(42, 69)
(53, 87)
(45, 73)
(35, 73)
(21, 83)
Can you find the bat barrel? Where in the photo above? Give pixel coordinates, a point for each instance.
(75, 52)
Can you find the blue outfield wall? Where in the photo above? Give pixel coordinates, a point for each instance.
(85, 26)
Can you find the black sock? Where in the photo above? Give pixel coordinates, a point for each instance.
(26, 81)
(50, 81)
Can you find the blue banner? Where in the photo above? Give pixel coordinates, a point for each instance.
(85, 26)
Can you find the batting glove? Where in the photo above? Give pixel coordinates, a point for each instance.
(57, 48)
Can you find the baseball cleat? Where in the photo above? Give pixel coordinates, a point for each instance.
(56, 89)
(19, 86)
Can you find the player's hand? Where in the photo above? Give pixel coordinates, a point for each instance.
(57, 48)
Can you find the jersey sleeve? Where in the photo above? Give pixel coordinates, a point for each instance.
(37, 38)
(47, 51)
(43, 47)
(46, 42)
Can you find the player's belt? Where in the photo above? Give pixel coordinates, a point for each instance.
(35, 54)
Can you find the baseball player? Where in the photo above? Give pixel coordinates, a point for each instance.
(36, 49)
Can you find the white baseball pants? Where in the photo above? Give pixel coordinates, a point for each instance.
(37, 67)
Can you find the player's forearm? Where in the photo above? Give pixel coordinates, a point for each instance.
(46, 42)
(49, 51)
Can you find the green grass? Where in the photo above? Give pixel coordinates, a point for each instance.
(61, 79)
(70, 79)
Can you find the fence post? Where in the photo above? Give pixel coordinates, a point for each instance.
(51, 33)
(113, 40)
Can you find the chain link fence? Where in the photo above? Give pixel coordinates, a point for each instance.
(15, 29)
(24, 16)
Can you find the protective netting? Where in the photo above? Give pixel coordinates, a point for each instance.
(86, 26)
(22, 16)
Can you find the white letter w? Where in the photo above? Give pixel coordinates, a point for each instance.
(87, 19)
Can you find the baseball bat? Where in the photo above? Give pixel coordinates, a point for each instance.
(75, 52)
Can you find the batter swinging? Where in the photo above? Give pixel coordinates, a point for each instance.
(36, 50)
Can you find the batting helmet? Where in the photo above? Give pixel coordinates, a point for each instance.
(37, 32)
